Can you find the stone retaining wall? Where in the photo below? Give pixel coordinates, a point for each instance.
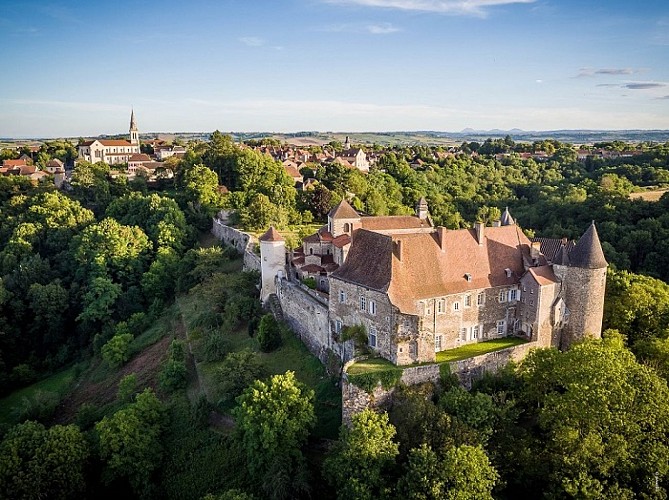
(355, 399)
(468, 370)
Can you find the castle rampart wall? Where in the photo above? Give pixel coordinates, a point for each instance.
(243, 242)
(307, 315)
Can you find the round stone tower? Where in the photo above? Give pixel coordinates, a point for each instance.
(584, 280)
(272, 261)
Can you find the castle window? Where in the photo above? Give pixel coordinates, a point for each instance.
(428, 309)
(347, 227)
(372, 336)
(468, 300)
(311, 251)
(501, 326)
(412, 348)
(437, 343)
(475, 332)
(480, 299)
(342, 296)
(363, 303)
(513, 295)
(372, 307)
(502, 296)
(337, 326)
(441, 305)
(463, 333)
(456, 306)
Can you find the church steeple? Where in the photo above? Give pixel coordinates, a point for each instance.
(134, 132)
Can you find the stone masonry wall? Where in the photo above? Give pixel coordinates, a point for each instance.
(307, 315)
(354, 400)
(468, 370)
(243, 242)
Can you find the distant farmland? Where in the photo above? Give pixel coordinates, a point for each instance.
(649, 195)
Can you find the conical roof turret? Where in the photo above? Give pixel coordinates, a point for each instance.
(588, 253)
(506, 219)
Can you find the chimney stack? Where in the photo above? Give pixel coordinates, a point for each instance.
(441, 237)
(480, 231)
(535, 250)
(397, 249)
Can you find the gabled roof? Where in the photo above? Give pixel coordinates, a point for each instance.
(412, 266)
(343, 211)
(392, 222)
(588, 251)
(13, 163)
(139, 157)
(543, 275)
(271, 235)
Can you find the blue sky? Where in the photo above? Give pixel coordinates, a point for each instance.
(75, 68)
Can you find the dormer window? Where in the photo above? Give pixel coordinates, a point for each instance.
(468, 277)
(508, 272)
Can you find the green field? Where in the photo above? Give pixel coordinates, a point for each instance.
(471, 350)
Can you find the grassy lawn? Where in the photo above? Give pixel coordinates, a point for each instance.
(471, 350)
(370, 366)
(58, 383)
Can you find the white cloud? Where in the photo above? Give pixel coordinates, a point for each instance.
(455, 7)
(368, 28)
(252, 41)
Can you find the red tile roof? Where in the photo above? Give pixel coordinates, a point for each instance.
(413, 266)
(271, 235)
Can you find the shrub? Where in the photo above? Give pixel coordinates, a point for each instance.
(127, 388)
(173, 375)
(40, 407)
(87, 415)
(215, 346)
(310, 282)
(238, 371)
(269, 333)
(117, 350)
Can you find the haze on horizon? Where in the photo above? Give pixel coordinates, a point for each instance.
(342, 65)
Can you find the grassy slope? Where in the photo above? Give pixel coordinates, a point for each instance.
(58, 383)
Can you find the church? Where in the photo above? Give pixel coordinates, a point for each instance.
(112, 151)
(420, 289)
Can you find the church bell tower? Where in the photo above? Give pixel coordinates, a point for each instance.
(134, 133)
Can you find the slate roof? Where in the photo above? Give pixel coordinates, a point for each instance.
(411, 267)
(506, 219)
(550, 247)
(588, 253)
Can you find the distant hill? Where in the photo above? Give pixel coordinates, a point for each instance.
(431, 137)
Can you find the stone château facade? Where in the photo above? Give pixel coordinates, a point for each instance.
(419, 289)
